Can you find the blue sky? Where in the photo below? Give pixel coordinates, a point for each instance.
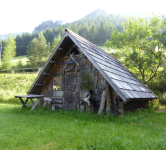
(24, 15)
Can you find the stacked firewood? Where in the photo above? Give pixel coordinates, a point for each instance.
(117, 106)
(106, 104)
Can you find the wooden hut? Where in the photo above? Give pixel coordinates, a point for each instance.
(77, 67)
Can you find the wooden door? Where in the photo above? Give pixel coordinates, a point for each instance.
(71, 89)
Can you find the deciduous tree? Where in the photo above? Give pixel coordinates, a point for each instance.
(142, 43)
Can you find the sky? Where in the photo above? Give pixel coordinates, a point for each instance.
(24, 15)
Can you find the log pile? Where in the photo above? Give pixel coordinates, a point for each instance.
(106, 104)
(117, 106)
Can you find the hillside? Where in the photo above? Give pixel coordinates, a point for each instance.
(47, 25)
(96, 13)
(50, 24)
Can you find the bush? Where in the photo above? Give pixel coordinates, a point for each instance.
(158, 86)
(154, 104)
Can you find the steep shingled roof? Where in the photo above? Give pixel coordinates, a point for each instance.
(127, 86)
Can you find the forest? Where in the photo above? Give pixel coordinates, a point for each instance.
(95, 28)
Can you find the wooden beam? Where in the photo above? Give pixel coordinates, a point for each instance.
(45, 73)
(70, 49)
(39, 84)
(53, 62)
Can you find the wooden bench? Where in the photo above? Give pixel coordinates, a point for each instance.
(55, 102)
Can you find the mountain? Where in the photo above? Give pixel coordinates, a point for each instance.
(5, 36)
(47, 25)
(96, 13)
(50, 24)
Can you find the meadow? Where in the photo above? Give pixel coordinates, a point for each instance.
(14, 84)
(72, 130)
(16, 60)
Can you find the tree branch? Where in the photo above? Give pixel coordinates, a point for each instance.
(142, 74)
(151, 77)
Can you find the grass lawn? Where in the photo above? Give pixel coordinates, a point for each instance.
(22, 58)
(15, 61)
(43, 129)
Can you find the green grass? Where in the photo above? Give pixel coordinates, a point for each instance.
(18, 58)
(105, 48)
(14, 84)
(15, 61)
(43, 129)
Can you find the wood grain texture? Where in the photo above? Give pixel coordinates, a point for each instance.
(102, 104)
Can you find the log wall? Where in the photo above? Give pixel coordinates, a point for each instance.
(71, 86)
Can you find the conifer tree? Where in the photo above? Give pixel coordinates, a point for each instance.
(9, 52)
(55, 42)
(38, 51)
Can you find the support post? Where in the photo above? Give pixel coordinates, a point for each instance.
(82, 108)
(102, 103)
(53, 107)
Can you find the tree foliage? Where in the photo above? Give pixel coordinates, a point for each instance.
(96, 28)
(38, 51)
(9, 52)
(56, 41)
(142, 44)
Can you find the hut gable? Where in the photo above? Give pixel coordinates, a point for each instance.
(121, 80)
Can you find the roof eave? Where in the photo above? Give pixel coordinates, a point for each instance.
(138, 99)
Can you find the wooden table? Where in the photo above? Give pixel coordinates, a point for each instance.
(29, 97)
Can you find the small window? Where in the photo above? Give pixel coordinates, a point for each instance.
(57, 82)
(88, 81)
